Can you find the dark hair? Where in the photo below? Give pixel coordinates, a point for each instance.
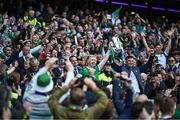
(177, 73)
(148, 105)
(137, 109)
(77, 96)
(72, 57)
(153, 74)
(139, 106)
(4, 98)
(130, 56)
(158, 44)
(166, 105)
(107, 91)
(18, 110)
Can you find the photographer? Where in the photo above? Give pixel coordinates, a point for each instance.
(75, 108)
(154, 86)
(31, 71)
(122, 103)
(59, 72)
(37, 92)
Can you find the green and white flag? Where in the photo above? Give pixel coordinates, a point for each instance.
(115, 15)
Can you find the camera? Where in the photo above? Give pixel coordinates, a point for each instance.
(80, 82)
(60, 61)
(74, 47)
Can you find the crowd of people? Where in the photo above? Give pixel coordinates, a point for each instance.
(77, 64)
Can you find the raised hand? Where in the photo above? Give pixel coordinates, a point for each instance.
(90, 83)
(151, 51)
(69, 65)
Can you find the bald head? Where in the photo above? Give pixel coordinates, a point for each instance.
(142, 98)
(31, 13)
(144, 77)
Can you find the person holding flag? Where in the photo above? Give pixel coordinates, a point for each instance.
(115, 16)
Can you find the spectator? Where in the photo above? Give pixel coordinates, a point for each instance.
(92, 69)
(134, 72)
(142, 111)
(31, 18)
(144, 78)
(116, 55)
(74, 61)
(162, 56)
(154, 86)
(37, 92)
(167, 107)
(106, 75)
(5, 112)
(75, 108)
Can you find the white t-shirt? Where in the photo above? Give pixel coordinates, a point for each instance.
(135, 84)
(162, 59)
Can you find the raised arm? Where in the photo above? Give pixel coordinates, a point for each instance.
(32, 50)
(128, 102)
(12, 69)
(142, 19)
(103, 62)
(169, 42)
(99, 107)
(144, 41)
(69, 77)
(143, 68)
(116, 99)
(116, 67)
(32, 33)
(53, 101)
(70, 73)
(168, 46)
(49, 63)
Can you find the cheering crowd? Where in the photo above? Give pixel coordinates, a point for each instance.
(78, 64)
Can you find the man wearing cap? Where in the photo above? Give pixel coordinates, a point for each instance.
(106, 75)
(37, 92)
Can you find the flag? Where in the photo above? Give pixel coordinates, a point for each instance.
(115, 15)
(112, 55)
